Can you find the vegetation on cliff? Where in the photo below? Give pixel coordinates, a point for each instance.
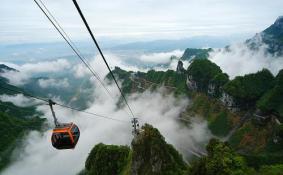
(202, 72)
(140, 81)
(247, 89)
(193, 53)
(221, 159)
(13, 126)
(149, 155)
(107, 159)
(220, 119)
(15, 121)
(167, 78)
(152, 155)
(272, 100)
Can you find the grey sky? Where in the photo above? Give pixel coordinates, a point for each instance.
(22, 21)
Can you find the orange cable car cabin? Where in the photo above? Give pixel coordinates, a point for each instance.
(65, 136)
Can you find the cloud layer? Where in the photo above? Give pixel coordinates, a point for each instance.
(26, 71)
(240, 60)
(18, 100)
(37, 156)
(160, 57)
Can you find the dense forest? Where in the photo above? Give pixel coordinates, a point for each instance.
(15, 123)
(150, 154)
(253, 146)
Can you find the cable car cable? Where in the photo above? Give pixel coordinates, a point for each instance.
(64, 106)
(75, 47)
(24, 93)
(64, 37)
(19, 108)
(70, 44)
(102, 55)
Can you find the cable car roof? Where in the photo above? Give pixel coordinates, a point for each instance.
(63, 126)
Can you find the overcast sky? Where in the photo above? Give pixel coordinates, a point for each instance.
(22, 21)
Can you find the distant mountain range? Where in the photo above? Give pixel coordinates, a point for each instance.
(29, 52)
(271, 37)
(193, 42)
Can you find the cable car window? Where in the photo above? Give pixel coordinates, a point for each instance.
(76, 133)
(75, 130)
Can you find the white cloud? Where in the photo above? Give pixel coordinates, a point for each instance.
(241, 60)
(154, 59)
(160, 57)
(38, 157)
(18, 100)
(100, 68)
(56, 83)
(28, 69)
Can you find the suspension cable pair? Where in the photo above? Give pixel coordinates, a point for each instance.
(65, 36)
(47, 101)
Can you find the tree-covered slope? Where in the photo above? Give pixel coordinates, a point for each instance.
(140, 81)
(202, 72)
(152, 155)
(107, 159)
(247, 89)
(15, 121)
(193, 53)
(272, 100)
(12, 129)
(149, 155)
(221, 159)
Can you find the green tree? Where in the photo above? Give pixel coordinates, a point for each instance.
(271, 170)
(220, 160)
(153, 156)
(272, 100)
(247, 89)
(203, 71)
(219, 81)
(12, 129)
(107, 159)
(192, 53)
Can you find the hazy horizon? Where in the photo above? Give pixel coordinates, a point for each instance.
(137, 20)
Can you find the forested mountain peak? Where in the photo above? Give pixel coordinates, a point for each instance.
(272, 37)
(4, 68)
(279, 22)
(149, 154)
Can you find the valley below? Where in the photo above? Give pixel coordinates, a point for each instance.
(200, 112)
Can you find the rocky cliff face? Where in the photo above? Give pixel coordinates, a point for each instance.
(180, 67)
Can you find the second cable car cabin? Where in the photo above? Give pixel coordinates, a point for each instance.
(64, 135)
